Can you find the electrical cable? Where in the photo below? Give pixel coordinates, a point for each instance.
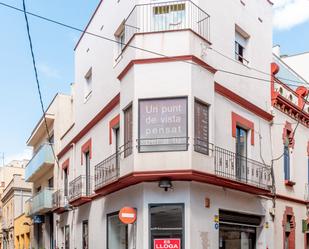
(142, 49)
(37, 80)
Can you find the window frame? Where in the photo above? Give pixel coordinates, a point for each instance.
(196, 145)
(83, 234)
(128, 126)
(88, 84)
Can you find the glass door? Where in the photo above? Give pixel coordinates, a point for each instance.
(166, 226)
(241, 154)
(87, 157)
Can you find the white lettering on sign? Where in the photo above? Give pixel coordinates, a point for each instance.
(127, 215)
(163, 123)
(167, 244)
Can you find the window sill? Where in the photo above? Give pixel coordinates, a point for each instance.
(289, 183)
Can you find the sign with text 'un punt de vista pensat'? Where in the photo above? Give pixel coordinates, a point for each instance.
(163, 124)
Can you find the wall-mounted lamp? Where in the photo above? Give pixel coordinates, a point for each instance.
(165, 183)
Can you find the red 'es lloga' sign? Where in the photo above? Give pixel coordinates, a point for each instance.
(166, 243)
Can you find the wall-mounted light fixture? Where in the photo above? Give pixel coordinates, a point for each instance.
(166, 184)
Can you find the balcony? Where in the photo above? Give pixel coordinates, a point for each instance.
(40, 163)
(108, 170)
(60, 201)
(167, 16)
(81, 190)
(241, 169)
(40, 203)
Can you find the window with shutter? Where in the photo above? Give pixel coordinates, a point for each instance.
(201, 127)
(128, 131)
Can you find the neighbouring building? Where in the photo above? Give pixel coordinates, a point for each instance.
(290, 149)
(298, 62)
(40, 169)
(13, 199)
(6, 175)
(22, 225)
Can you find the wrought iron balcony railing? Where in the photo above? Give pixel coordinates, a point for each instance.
(167, 16)
(242, 169)
(59, 199)
(163, 144)
(108, 170)
(41, 202)
(81, 186)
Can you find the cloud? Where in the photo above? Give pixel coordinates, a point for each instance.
(290, 13)
(48, 71)
(25, 154)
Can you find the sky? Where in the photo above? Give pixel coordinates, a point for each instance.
(54, 51)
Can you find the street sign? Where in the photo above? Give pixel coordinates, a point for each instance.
(127, 215)
(167, 244)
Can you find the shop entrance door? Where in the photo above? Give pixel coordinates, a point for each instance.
(166, 225)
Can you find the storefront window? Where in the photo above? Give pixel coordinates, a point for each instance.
(166, 225)
(117, 233)
(237, 231)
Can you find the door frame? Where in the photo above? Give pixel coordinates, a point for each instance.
(183, 221)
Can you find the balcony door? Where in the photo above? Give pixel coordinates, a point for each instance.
(241, 153)
(169, 17)
(117, 144)
(87, 159)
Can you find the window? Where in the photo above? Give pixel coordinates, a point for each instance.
(67, 237)
(201, 127)
(286, 159)
(163, 125)
(88, 84)
(85, 235)
(117, 233)
(51, 182)
(120, 37)
(241, 153)
(169, 17)
(88, 180)
(241, 45)
(166, 222)
(66, 182)
(128, 131)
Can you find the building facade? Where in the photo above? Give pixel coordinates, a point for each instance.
(13, 199)
(160, 127)
(173, 125)
(40, 169)
(22, 225)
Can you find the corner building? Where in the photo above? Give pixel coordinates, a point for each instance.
(185, 144)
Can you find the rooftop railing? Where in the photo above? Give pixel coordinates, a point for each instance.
(167, 16)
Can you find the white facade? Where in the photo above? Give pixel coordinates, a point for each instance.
(177, 51)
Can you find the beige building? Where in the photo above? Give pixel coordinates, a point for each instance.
(40, 169)
(6, 175)
(13, 199)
